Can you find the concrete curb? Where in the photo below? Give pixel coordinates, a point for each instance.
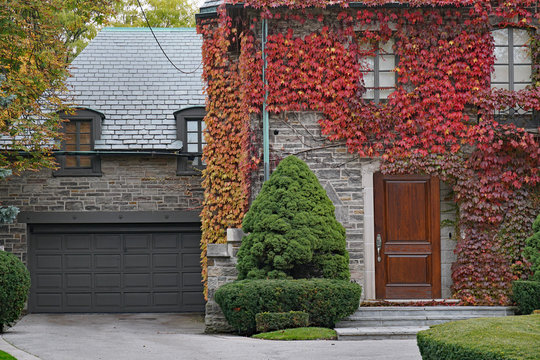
(15, 352)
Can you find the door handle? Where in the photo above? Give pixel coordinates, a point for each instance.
(379, 245)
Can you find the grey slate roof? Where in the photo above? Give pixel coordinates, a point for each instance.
(123, 74)
(208, 3)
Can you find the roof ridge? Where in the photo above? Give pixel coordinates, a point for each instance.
(127, 29)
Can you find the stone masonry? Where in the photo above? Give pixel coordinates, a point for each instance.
(222, 261)
(128, 183)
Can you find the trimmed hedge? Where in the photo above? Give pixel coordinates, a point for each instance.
(270, 321)
(502, 338)
(326, 301)
(526, 294)
(14, 286)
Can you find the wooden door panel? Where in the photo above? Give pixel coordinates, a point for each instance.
(407, 222)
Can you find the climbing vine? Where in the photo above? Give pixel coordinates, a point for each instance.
(438, 120)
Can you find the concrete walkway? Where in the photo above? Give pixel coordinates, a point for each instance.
(173, 337)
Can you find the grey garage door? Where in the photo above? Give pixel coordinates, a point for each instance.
(115, 268)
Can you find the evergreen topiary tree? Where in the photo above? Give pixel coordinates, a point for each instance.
(532, 250)
(293, 231)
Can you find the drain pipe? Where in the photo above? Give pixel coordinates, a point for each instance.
(266, 125)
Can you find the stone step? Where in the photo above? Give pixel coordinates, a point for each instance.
(431, 312)
(379, 333)
(401, 321)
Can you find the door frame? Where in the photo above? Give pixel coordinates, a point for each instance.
(368, 171)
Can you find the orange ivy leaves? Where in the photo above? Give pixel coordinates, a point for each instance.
(227, 129)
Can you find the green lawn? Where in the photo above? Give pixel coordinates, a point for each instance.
(511, 337)
(6, 356)
(304, 333)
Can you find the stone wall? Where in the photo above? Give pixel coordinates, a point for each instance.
(129, 183)
(221, 270)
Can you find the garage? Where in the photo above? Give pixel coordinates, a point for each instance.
(104, 268)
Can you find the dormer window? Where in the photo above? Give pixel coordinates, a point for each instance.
(190, 130)
(80, 130)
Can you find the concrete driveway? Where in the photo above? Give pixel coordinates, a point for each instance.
(173, 336)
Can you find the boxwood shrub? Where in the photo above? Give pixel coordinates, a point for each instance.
(270, 321)
(14, 286)
(499, 338)
(326, 301)
(526, 294)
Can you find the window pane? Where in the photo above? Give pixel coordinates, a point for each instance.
(370, 63)
(70, 139)
(70, 127)
(384, 94)
(521, 86)
(387, 62)
(387, 79)
(85, 161)
(500, 36)
(370, 94)
(193, 148)
(85, 126)
(500, 74)
(203, 125)
(521, 55)
(501, 86)
(192, 125)
(193, 138)
(85, 147)
(386, 48)
(522, 73)
(369, 80)
(71, 161)
(521, 37)
(85, 139)
(71, 147)
(501, 55)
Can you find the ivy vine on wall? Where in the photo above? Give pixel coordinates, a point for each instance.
(439, 120)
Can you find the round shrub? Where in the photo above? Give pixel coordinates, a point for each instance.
(326, 301)
(14, 286)
(293, 231)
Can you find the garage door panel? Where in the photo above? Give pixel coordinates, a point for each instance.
(127, 268)
(48, 281)
(50, 242)
(165, 298)
(191, 241)
(102, 281)
(78, 300)
(165, 241)
(165, 261)
(107, 262)
(49, 262)
(138, 299)
(78, 281)
(46, 301)
(108, 242)
(162, 280)
(137, 281)
(139, 261)
(137, 242)
(78, 262)
(77, 242)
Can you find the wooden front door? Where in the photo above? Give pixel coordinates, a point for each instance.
(407, 237)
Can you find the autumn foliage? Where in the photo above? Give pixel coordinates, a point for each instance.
(438, 120)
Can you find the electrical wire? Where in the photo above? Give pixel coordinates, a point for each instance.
(163, 51)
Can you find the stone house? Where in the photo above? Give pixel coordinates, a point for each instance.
(399, 243)
(116, 227)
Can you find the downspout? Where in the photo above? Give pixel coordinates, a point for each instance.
(266, 125)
